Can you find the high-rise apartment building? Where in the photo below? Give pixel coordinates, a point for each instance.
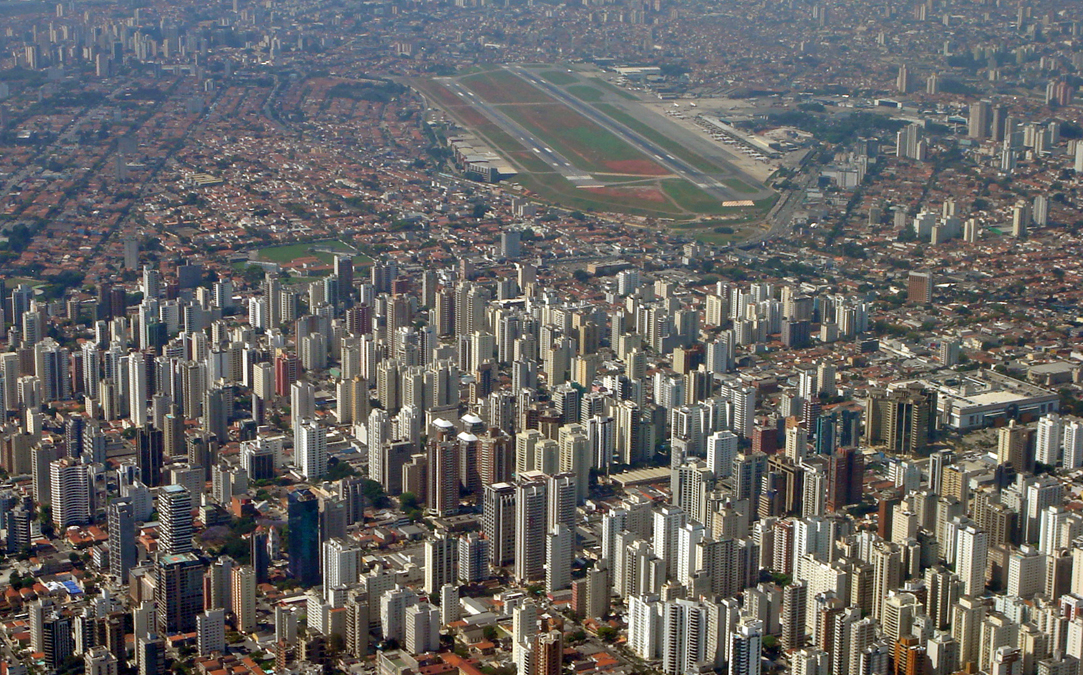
(919, 287)
(981, 114)
(341, 564)
(122, 551)
(498, 522)
(441, 562)
(444, 469)
(667, 523)
(178, 592)
(559, 552)
(70, 489)
(422, 622)
(311, 449)
(473, 558)
(903, 419)
(746, 647)
(99, 661)
(175, 520)
(211, 632)
(971, 557)
(530, 526)
(243, 585)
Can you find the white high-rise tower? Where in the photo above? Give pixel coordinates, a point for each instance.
(137, 389)
(971, 557)
(310, 449)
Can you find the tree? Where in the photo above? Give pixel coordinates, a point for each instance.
(410, 506)
(253, 274)
(70, 666)
(374, 493)
(237, 548)
(781, 579)
(336, 644)
(45, 517)
(582, 276)
(17, 581)
(337, 470)
(535, 589)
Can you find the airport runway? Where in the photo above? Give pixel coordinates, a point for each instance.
(675, 165)
(559, 162)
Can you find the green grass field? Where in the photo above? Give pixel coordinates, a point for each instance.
(613, 88)
(290, 252)
(553, 187)
(591, 148)
(437, 92)
(13, 283)
(482, 125)
(286, 253)
(501, 141)
(727, 231)
(656, 136)
(739, 186)
(585, 93)
(686, 201)
(693, 198)
(588, 145)
(469, 70)
(722, 239)
(559, 77)
(500, 86)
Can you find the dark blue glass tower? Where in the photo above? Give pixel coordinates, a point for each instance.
(261, 561)
(826, 438)
(304, 523)
(850, 428)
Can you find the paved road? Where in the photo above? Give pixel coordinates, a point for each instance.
(65, 135)
(781, 216)
(675, 165)
(528, 140)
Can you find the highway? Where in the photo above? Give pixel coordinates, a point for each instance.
(551, 157)
(781, 216)
(675, 165)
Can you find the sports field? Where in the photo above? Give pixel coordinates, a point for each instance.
(319, 249)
